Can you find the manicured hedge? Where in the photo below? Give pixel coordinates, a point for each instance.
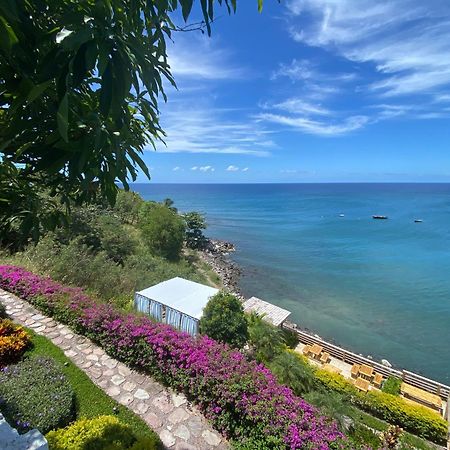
(103, 432)
(35, 394)
(241, 398)
(394, 409)
(14, 340)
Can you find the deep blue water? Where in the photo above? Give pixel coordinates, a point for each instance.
(378, 287)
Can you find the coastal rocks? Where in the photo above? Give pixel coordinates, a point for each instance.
(216, 254)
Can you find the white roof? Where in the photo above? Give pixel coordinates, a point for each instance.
(183, 295)
(271, 313)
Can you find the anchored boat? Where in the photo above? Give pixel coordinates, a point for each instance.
(379, 217)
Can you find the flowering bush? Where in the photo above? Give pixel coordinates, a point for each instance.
(35, 394)
(13, 341)
(241, 398)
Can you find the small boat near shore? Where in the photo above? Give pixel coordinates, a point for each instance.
(379, 217)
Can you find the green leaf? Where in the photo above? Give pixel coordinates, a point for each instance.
(106, 91)
(186, 7)
(62, 118)
(7, 36)
(38, 90)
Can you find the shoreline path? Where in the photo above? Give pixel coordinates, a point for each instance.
(179, 425)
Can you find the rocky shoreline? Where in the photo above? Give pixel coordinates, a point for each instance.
(216, 254)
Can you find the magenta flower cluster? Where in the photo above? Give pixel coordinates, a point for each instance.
(241, 398)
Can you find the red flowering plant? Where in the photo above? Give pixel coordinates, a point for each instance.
(239, 396)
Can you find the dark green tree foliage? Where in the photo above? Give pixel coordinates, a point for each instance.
(266, 340)
(195, 224)
(163, 231)
(392, 385)
(127, 206)
(224, 320)
(293, 372)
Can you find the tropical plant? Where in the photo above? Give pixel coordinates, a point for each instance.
(163, 231)
(266, 341)
(292, 371)
(195, 224)
(36, 394)
(224, 320)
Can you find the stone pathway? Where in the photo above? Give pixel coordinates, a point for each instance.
(179, 425)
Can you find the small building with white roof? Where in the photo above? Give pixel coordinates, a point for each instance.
(177, 302)
(269, 312)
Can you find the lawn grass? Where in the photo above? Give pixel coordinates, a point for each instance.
(90, 400)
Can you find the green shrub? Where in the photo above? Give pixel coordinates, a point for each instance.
(417, 419)
(36, 394)
(266, 340)
(392, 385)
(92, 434)
(163, 231)
(223, 319)
(391, 408)
(293, 372)
(363, 436)
(290, 338)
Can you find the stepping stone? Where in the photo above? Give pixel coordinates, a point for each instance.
(163, 404)
(178, 416)
(126, 399)
(185, 446)
(178, 400)
(167, 438)
(211, 438)
(70, 353)
(195, 425)
(96, 372)
(117, 380)
(92, 357)
(110, 363)
(123, 370)
(153, 420)
(141, 394)
(113, 391)
(129, 386)
(182, 432)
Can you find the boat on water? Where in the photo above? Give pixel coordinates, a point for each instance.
(379, 217)
(418, 220)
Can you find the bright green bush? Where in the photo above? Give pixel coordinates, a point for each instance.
(363, 436)
(101, 433)
(414, 418)
(224, 320)
(392, 385)
(163, 231)
(35, 394)
(417, 419)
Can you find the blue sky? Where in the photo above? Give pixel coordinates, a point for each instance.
(310, 91)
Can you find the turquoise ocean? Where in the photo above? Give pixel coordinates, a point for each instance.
(377, 287)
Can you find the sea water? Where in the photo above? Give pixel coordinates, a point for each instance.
(377, 287)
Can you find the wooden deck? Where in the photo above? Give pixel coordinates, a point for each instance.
(271, 313)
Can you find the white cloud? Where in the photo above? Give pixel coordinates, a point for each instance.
(194, 168)
(316, 127)
(206, 169)
(407, 42)
(232, 168)
(207, 129)
(298, 106)
(198, 57)
(245, 169)
(176, 169)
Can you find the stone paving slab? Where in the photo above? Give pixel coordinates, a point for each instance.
(179, 425)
